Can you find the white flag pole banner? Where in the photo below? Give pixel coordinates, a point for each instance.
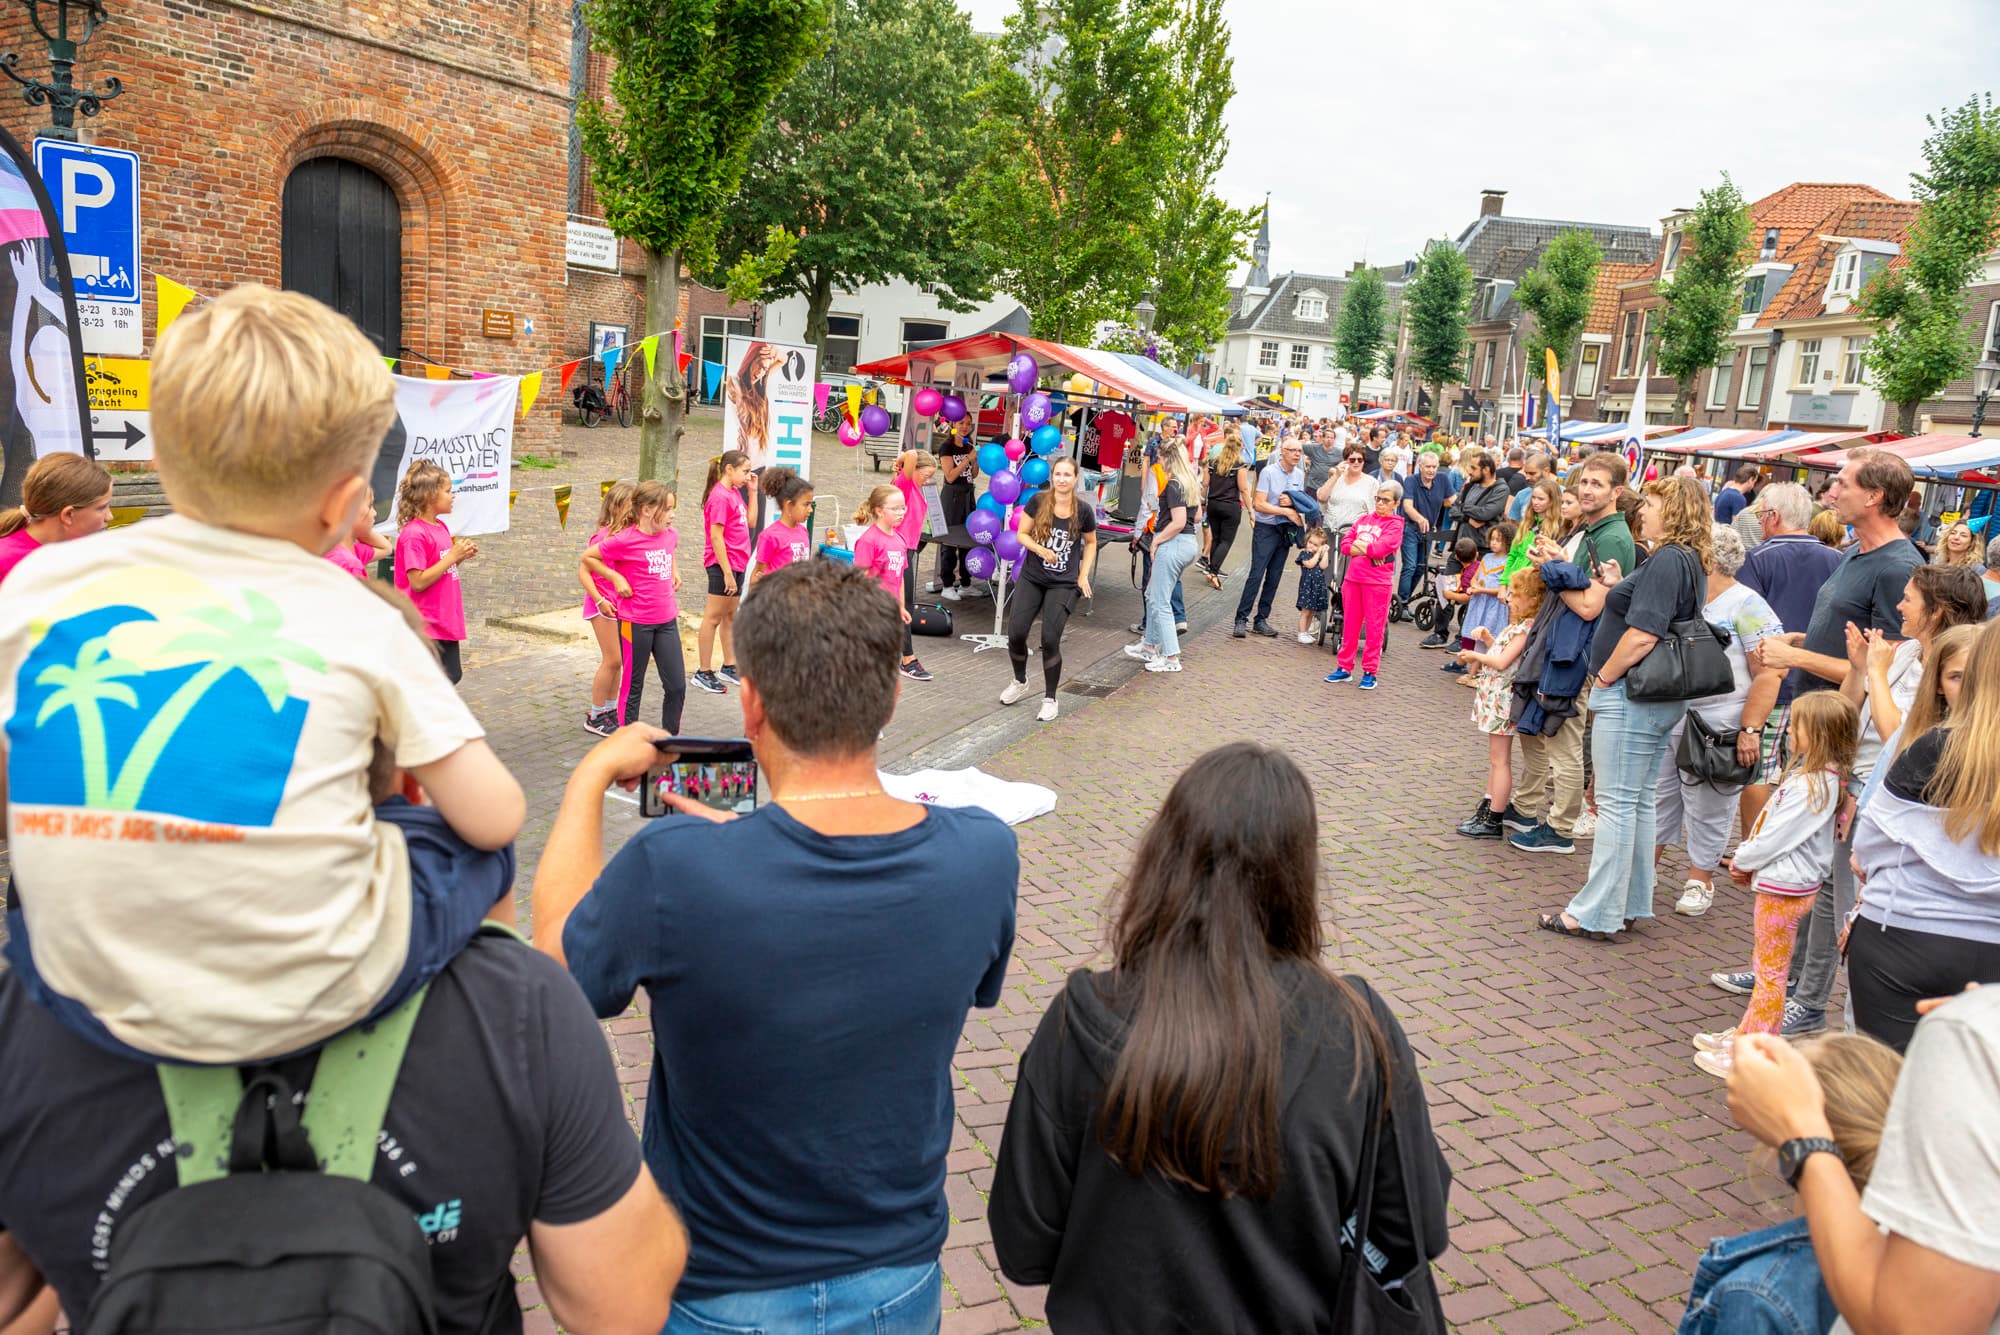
(465, 427)
(768, 409)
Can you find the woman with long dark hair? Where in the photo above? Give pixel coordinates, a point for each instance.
(1059, 547)
(1184, 1146)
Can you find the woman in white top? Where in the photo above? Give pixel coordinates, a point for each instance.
(1349, 493)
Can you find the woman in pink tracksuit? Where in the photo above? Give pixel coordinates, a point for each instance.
(1370, 548)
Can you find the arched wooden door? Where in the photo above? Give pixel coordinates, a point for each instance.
(343, 243)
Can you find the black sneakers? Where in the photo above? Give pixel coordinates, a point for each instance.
(729, 674)
(914, 670)
(1239, 630)
(705, 680)
(1264, 628)
(1481, 824)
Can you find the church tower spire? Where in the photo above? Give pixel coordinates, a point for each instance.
(1260, 254)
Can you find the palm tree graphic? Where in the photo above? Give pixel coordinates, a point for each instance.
(92, 682)
(232, 642)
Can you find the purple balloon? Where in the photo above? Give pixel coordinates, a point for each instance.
(1022, 372)
(927, 401)
(1005, 486)
(1008, 546)
(984, 526)
(874, 419)
(954, 408)
(1035, 410)
(980, 564)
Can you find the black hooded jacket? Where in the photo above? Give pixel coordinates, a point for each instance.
(1144, 1255)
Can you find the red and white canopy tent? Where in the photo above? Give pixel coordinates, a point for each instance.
(979, 362)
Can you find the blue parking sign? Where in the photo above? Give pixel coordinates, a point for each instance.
(96, 196)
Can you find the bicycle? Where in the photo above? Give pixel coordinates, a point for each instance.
(621, 401)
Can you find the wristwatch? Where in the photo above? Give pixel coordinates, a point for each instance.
(1792, 1156)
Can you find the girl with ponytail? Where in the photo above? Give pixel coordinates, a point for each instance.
(64, 496)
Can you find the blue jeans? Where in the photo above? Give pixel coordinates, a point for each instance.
(890, 1300)
(1146, 581)
(1627, 740)
(1268, 546)
(1170, 559)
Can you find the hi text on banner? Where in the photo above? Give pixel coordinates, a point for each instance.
(770, 410)
(465, 427)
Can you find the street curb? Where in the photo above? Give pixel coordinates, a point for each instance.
(520, 625)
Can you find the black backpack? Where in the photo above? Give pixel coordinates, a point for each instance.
(275, 1227)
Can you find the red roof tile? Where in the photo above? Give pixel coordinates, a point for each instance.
(1603, 317)
(1803, 296)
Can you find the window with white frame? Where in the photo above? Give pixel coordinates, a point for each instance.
(1853, 370)
(1993, 330)
(1267, 354)
(1327, 358)
(1301, 356)
(1808, 363)
(1471, 350)
(1587, 366)
(1846, 275)
(843, 343)
(1628, 344)
(924, 331)
(1310, 308)
(1486, 370)
(1718, 382)
(1754, 368)
(1753, 293)
(1673, 253)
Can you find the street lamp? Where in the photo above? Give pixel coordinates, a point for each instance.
(1143, 313)
(1985, 379)
(61, 95)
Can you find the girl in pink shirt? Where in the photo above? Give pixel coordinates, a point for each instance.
(638, 562)
(614, 515)
(880, 552)
(725, 554)
(428, 557)
(914, 471)
(362, 543)
(63, 496)
(786, 540)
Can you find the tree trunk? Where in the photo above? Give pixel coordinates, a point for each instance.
(1354, 396)
(661, 423)
(1906, 417)
(819, 302)
(1682, 393)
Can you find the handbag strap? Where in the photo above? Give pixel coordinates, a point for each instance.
(1371, 1146)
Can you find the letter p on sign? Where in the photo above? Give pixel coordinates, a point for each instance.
(85, 185)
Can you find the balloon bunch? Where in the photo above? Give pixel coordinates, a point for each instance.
(1016, 472)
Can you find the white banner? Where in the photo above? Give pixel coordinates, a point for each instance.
(466, 427)
(768, 401)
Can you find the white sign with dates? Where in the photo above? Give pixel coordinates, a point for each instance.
(113, 328)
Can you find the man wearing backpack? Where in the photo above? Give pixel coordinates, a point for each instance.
(503, 1119)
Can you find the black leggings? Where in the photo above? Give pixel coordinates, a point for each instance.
(448, 656)
(662, 644)
(1891, 969)
(955, 499)
(909, 601)
(1053, 604)
(1222, 528)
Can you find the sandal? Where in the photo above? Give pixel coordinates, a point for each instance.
(1553, 922)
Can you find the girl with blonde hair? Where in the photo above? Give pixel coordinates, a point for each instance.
(914, 471)
(599, 609)
(1174, 549)
(428, 557)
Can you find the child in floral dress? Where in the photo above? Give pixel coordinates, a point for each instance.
(1493, 699)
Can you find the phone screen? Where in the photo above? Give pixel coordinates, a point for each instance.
(725, 781)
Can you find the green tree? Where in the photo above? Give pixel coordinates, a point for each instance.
(1920, 343)
(1705, 295)
(1361, 332)
(1437, 302)
(858, 158)
(83, 688)
(690, 83)
(1082, 127)
(1197, 238)
(1557, 292)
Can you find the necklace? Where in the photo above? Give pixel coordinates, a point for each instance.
(828, 797)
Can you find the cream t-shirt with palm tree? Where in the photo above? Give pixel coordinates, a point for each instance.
(190, 713)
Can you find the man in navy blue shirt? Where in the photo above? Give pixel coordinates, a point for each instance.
(808, 968)
(1423, 518)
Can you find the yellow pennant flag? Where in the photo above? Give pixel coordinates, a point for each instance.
(170, 299)
(512, 496)
(1551, 372)
(390, 362)
(604, 488)
(531, 389)
(121, 515)
(854, 403)
(651, 347)
(437, 372)
(562, 505)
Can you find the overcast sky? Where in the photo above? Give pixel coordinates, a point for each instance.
(1374, 126)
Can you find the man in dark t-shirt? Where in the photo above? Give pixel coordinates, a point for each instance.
(506, 1121)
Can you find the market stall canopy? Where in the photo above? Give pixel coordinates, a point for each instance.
(987, 354)
(1977, 459)
(1826, 450)
(1207, 399)
(1389, 415)
(1264, 403)
(1712, 440)
(1600, 433)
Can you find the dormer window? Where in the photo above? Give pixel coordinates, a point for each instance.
(1310, 308)
(1846, 275)
(1673, 256)
(1769, 249)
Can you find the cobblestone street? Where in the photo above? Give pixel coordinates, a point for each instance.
(1593, 1162)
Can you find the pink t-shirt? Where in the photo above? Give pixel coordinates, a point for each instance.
(421, 545)
(724, 506)
(883, 556)
(13, 547)
(347, 555)
(782, 544)
(911, 530)
(646, 560)
(603, 585)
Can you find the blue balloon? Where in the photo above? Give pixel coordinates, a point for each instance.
(1035, 472)
(1046, 440)
(1035, 409)
(992, 505)
(992, 458)
(984, 526)
(1028, 495)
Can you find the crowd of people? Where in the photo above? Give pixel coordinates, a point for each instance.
(343, 1082)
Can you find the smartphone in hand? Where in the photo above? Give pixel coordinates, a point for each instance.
(719, 772)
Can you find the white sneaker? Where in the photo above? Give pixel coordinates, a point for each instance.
(1305, 637)
(1716, 1064)
(1047, 713)
(1145, 653)
(1016, 692)
(1718, 1041)
(1586, 825)
(931, 587)
(1695, 898)
(951, 595)
(1163, 664)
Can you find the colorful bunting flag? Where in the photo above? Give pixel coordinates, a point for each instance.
(562, 506)
(711, 374)
(604, 488)
(681, 360)
(512, 496)
(121, 515)
(854, 403)
(821, 392)
(170, 299)
(531, 389)
(437, 372)
(611, 357)
(651, 347)
(569, 369)
(390, 362)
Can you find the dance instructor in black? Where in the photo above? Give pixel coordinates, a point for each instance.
(957, 460)
(1058, 549)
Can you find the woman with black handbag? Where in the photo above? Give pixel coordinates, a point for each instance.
(1218, 1133)
(1718, 747)
(1649, 627)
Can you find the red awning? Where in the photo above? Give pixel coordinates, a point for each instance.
(990, 352)
(1827, 451)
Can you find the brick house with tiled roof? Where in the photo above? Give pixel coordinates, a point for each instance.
(1587, 372)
